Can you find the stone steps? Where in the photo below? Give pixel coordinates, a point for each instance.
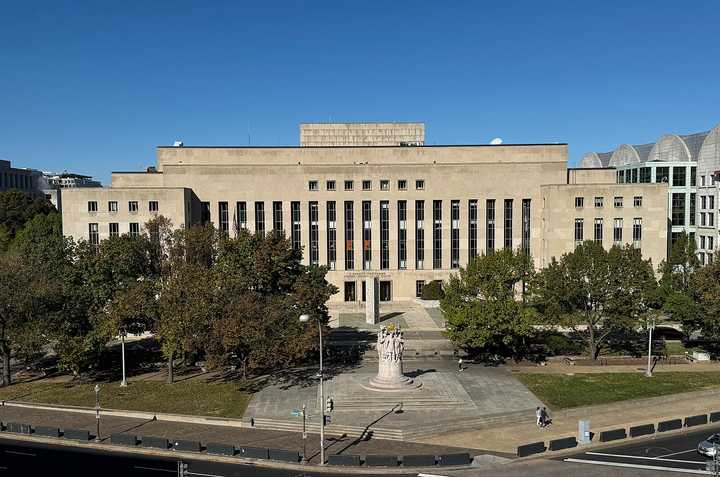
(332, 429)
(401, 434)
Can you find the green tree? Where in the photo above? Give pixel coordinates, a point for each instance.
(676, 284)
(596, 292)
(185, 311)
(26, 299)
(482, 305)
(706, 286)
(263, 291)
(16, 208)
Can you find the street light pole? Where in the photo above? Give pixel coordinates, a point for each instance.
(97, 413)
(304, 459)
(648, 372)
(304, 319)
(322, 401)
(123, 383)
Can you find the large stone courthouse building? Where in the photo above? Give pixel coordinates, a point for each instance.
(373, 200)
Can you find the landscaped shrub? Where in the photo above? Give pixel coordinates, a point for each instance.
(433, 290)
(559, 345)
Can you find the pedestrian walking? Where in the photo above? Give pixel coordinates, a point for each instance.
(460, 366)
(538, 417)
(545, 418)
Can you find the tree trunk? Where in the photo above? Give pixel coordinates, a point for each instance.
(592, 345)
(6, 379)
(170, 374)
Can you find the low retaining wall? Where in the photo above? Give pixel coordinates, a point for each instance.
(611, 435)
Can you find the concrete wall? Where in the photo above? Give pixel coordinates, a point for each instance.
(591, 176)
(174, 203)
(559, 214)
(361, 134)
(537, 173)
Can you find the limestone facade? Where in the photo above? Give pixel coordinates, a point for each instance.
(406, 215)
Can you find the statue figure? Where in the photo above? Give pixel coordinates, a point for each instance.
(390, 347)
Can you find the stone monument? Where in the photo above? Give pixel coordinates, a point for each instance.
(390, 347)
(372, 300)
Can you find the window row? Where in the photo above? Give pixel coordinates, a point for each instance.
(367, 184)
(113, 231)
(707, 202)
(617, 229)
(347, 208)
(599, 201)
(643, 175)
(706, 243)
(10, 180)
(112, 206)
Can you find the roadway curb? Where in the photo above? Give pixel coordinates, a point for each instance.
(602, 445)
(212, 421)
(190, 456)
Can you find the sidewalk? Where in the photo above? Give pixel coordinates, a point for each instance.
(603, 417)
(661, 367)
(222, 434)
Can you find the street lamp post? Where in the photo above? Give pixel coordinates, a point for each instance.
(97, 413)
(123, 383)
(304, 319)
(648, 371)
(304, 459)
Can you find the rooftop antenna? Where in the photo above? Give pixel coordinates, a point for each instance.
(248, 132)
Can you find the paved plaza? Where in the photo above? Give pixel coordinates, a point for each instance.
(477, 397)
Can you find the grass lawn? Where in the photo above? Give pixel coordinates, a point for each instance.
(185, 397)
(560, 391)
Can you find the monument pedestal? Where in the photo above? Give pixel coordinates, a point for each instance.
(390, 377)
(372, 300)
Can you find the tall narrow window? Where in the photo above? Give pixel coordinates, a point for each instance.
(223, 215)
(508, 223)
(579, 231)
(205, 213)
(331, 235)
(384, 235)
(367, 234)
(94, 234)
(618, 232)
(402, 234)
(490, 225)
(114, 229)
(679, 178)
(240, 217)
(525, 244)
(678, 209)
(637, 232)
(693, 200)
(295, 217)
(259, 217)
(455, 234)
(598, 231)
(134, 229)
(472, 229)
(419, 234)
(349, 236)
(314, 219)
(277, 217)
(437, 234)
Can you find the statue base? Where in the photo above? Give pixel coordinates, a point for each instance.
(396, 384)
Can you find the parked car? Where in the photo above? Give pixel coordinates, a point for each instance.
(709, 446)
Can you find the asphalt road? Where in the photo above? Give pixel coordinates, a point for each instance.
(676, 453)
(21, 458)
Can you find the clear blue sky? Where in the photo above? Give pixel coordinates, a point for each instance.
(94, 86)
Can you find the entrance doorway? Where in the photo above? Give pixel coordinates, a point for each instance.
(386, 291)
